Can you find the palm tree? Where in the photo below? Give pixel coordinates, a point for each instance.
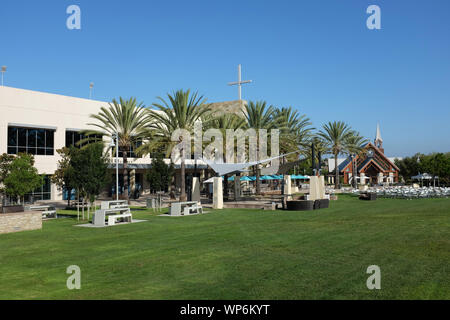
(259, 116)
(222, 123)
(335, 136)
(127, 119)
(180, 111)
(354, 146)
(295, 130)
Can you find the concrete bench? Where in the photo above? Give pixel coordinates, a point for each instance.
(196, 208)
(177, 208)
(47, 211)
(110, 204)
(100, 215)
(113, 218)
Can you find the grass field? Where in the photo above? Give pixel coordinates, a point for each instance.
(240, 254)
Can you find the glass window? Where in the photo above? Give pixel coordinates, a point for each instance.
(73, 137)
(49, 138)
(30, 140)
(131, 151)
(12, 136)
(69, 138)
(40, 138)
(40, 151)
(22, 137)
(41, 193)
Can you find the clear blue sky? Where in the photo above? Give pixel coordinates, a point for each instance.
(317, 56)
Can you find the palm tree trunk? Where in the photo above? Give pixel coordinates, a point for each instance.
(225, 186)
(257, 173)
(258, 182)
(183, 181)
(125, 176)
(336, 181)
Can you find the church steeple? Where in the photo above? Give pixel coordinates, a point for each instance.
(378, 140)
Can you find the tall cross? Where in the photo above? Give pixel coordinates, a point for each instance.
(239, 83)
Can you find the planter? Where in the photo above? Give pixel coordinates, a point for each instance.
(12, 209)
(321, 204)
(368, 196)
(299, 205)
(324, 203)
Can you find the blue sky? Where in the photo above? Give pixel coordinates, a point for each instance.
(317, 56)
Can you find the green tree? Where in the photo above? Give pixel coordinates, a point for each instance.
(64, 175)
(335, 136)
(354, 146)
(259, 115)
(90, 166)
(436, 164)
(180, 111)
(22, 177)
(223, 123)
(5, 162)
(295, 129)
(160, 175)
(129, 120)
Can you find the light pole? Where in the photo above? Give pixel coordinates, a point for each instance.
(115, 143)
(3, 71)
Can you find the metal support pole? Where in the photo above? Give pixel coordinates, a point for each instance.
(117, 166)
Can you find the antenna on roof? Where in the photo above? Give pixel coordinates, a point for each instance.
(91, 85)
(3, 71)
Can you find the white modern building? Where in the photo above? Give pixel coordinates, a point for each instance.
(40, 123)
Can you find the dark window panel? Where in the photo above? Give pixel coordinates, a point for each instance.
(49, 134)
(76, 139)
(40, 151)
(12, 136)
(12, 150)
(47, 184)
(40, 138)
(32, 138)
(22, 150)
(31, 151)
(68, 138)
(49, 152)
(22, 137)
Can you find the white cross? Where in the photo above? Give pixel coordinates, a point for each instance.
(239, 83)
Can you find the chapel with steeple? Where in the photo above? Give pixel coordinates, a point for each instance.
(372, 165)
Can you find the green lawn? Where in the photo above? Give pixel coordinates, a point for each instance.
(240, 254)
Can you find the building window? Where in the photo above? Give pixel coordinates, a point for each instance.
(73, 137)
(131, 152)
(30, 140)
(41, 193)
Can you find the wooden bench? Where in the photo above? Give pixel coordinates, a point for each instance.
(47, 211)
